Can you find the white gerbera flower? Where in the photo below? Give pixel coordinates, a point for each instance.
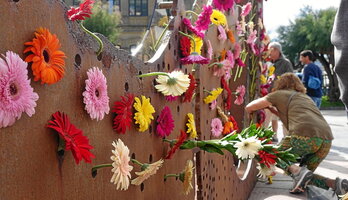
(247, 148)
(174, 83)
(121, 167)
(264, 172)
(150, 170)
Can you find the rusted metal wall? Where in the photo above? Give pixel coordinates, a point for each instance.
(29, 166)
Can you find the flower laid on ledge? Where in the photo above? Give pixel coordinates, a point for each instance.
(174, 83)
(47, 60)
(95, 96)
(175, 144)
(81, 13)
(120, 166)
(191, 126)
(165, 122)
(240, 92)
(143, 116)
(223, 5)
(252, 142)
(216, 127)
(213, 95)
(16, 94)
(191, 89)
(185, 177)
(265, 172)
(247, 148)
(147, 170)
(71, 138)
(123, 111)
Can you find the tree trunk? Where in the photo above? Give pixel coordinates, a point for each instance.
(333, 92)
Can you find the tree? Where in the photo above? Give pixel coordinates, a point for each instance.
(312, 30)
(103, 22)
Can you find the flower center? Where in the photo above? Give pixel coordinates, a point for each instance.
(171, 81)
(13, 89)
(97, 93)
(46, 56)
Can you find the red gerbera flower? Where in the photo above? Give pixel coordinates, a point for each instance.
(72, 136)
(123, 110)
(235, 125)
(191, 89)
(185, 46)
(165, 122)
(80, 13)
(179, 142)
(267, 158)
(229, 93)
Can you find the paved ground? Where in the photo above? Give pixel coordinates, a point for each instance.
(335, 164)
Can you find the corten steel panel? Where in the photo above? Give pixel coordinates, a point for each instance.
(30, 168)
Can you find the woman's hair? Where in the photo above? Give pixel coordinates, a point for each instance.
(289, 81)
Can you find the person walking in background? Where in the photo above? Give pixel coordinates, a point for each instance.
(339, 38)
(282, 65)
(310, 136)
(312, 77)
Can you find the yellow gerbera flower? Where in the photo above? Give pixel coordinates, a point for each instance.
(271, 70)
(191, 126)
(186, 177)
(199, 43)
(263, 79)
(143, 116)
(213, 95)
(218, 18)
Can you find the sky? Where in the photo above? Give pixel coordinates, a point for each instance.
(279, 12)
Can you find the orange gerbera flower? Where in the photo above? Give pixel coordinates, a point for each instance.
(47, 60)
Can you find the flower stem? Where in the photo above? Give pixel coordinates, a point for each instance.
(191, 38)
(170, 175)
(96, 167)
(237, 72)
(207, 91)
(215, 63)
(153, 74)
(137, 162)
(95, 37)
(161, 36)
(191, 12)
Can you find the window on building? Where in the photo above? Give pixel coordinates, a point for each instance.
(137, 7)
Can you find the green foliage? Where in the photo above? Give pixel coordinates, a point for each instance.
(103, 22)
(310, 30)
(325, 103)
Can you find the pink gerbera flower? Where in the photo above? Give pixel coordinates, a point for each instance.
(171, 98)
(96, 94)
(165, 122)
(194, 58)
(216, 127)
(16, 94)
(213, 105)
(222, 33)
(223, 4)
(246, 9)
(191, 28)
(80, 13)
(240, 92)
(237, 50)
(203, 20)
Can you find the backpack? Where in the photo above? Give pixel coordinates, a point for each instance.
(314, 82)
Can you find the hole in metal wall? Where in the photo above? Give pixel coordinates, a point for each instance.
(169, 46)
(78, 61)
(186, 71)
(163, 65)
(100, 56)
(180, 66)
(142, 187)
(140, 73)
(133, 156)
(126, 87)
(154, 82)
(150, 158)
(178, 108)
(158, 67)
(150, 129)
(168, 66)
